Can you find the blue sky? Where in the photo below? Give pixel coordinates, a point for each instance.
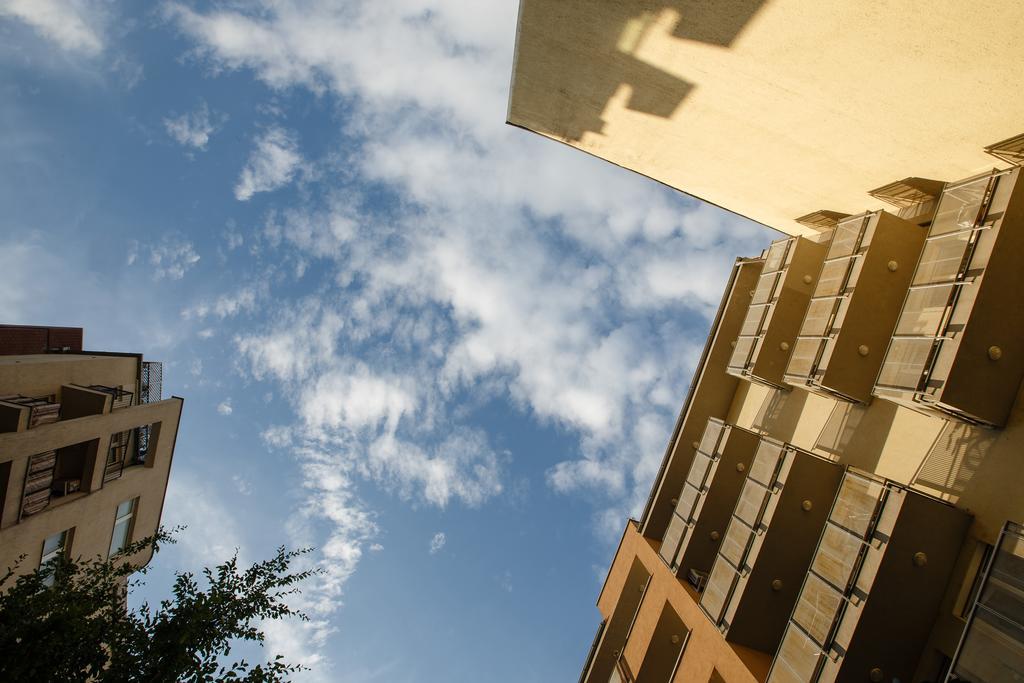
(446, 352)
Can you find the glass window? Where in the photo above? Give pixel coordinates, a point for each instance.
(122, 526)
(54, 546)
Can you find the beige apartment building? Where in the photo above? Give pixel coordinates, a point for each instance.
(86, 443)
(840, 497)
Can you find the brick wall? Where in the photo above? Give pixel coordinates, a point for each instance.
(26, 339)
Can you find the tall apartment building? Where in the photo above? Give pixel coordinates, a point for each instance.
(86, 443)
(840, 496)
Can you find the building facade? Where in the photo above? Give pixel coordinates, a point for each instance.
(840, 496)
(86, 443)
(773, 109)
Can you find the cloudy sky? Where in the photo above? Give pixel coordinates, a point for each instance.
(446, 352)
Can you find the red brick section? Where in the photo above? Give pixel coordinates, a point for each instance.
(26, 339)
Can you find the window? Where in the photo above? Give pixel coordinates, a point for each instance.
(54, 547)
(122, 526)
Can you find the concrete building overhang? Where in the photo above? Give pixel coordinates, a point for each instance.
(773, 109)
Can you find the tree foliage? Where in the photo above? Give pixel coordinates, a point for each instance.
(69, 621)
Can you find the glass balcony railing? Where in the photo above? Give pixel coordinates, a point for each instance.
(947, 303)
(992, 649)
(768, 545)
(854, 587)
(739, 546)
(702, 469)
(705, 503)
(852, 310)
(777, 306)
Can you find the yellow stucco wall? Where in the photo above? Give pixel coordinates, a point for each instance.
(91, 514)
(774, 109)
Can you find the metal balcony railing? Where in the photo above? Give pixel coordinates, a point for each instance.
(41, 410)
(122, 397)
(152, 382)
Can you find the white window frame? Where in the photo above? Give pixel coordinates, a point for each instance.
(127, 518)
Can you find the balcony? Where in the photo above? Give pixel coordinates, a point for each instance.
(56, 474)
(664, 648)
(958, 344)
(707, 499)
(120, 397)
(878, 577)
(777, 307)
(152, 382)
(18, 413)
(855, 306)
(605, 658)
(992, 648)
(769, 543)
(711, 395)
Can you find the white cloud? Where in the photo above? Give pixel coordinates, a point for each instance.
(242, 485)
(224, 407)
(172, 258)
(437, 542)
(74, 25)
(272, 164)
(193, 129)
(242, 300)
(509, 267)
(195, 367)
(135, 317)
(193, 502)
(376, 547)
(233, 239)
